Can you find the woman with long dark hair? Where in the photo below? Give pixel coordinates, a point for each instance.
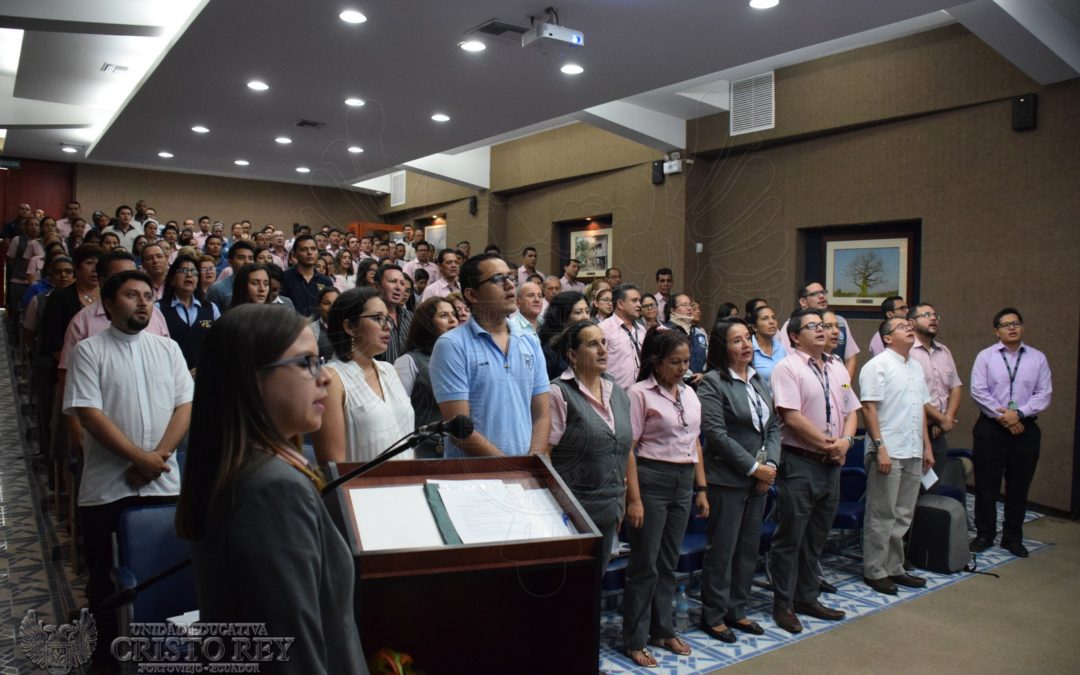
(742, 450)
(251, 285)
(433, 317)
(667, 477)
(564, 309)
(264, 548)
(365, 272)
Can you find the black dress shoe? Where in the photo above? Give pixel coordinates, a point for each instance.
(1015, 547)
(818, 611)
(909, 580)
(980, 544)
(883, 585)
(787, 620)
(726, 635)
(825, 586)
(752, 627)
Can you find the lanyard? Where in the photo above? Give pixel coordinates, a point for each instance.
(1012, 373)
(758, 410)
(822, 375)
(637, 345)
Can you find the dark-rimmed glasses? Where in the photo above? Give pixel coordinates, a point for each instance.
(313, 362)
(382, 319)
(499, 280)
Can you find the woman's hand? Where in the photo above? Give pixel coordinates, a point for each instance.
(635, 514)
(702, 503)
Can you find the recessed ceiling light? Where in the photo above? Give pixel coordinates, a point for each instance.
(258, 85)
(284, 140)
(302, 169)
(354, 102)
(572, 69)
(352, 16)
(68, 148)
(764, 4)
(200, 129)
(472, 46)
(241, 162)
(165, 155)
(355, 149)
(440, 117)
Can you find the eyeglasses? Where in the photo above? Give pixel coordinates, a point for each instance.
(1010, 325)
(313, 362)
(903, 325)
(651, 305)
(827, 326)
(188, 271)
(682, 413)
(382, 319)
(813, 325)
(65, 271)
(499, 280)
(822, 293)
(927, 315)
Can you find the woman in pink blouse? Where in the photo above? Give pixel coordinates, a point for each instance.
(666, 418)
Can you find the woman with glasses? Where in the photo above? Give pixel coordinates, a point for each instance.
(602, 306)
(188, 314)
(649, 311)
(207, 272)
(367, 409)
(742, 450)
(768, 350)
(252, 285)
(666, 477)
(433, 317)
(264, 548)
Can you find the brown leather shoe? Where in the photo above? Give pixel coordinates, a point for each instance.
(909, 580)
(883, 585)
(818, 611)
(786, 619)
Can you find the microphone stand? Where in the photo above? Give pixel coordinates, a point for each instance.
(126, 596)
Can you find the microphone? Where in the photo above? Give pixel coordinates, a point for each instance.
(459, 426)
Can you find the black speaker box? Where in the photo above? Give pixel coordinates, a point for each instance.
(1024, 112)
(658, 172)
(472, 206)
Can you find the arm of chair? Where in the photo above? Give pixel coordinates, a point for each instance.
(123, 578)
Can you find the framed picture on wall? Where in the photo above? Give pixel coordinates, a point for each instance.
(592, 248)
(861, 273)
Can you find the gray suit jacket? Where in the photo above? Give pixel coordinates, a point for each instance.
(730, 440)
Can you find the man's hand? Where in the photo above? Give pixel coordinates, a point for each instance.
(927, 458)
(945, 426)
(761, 487)
(836, 449)
(765, 473)
(884, 464)
(1008, 417)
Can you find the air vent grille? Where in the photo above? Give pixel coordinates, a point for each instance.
(753, 106)
(397, 188)
(497, 28)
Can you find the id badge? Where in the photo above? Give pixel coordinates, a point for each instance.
(1013, 406)
(761, 456)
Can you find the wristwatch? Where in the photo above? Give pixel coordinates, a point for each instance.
(850, 442)
(878, 443)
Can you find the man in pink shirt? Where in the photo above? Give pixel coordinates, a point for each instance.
(624, 335)
(817, 408)
(422, 260)
(569, 279)
(942, 379)
(814, 296)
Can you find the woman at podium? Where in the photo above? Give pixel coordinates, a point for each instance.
(590, 429)
(264, 548)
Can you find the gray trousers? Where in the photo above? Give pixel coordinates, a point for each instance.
(890, 504)
(809, 493)
(666, 493)
(734, 532)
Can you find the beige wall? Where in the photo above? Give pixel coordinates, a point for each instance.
(181, 195)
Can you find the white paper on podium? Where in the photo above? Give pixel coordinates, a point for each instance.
(394, 517)
(484, 511)
(928, 479)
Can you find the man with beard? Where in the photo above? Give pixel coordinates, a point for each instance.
(941, 378)
(132, 393)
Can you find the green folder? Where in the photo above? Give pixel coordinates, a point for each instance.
(442, 518)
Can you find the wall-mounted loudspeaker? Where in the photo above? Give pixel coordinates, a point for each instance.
(472, 205)
(658, 172)
(1024, 109)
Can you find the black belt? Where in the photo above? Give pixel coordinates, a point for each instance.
(813, 456)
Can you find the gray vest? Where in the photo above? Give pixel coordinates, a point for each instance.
(592, 458)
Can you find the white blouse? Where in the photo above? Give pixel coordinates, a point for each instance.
(371, 423)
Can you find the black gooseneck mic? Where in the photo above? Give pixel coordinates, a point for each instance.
(458, 427)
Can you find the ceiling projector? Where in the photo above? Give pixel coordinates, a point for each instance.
(542, 32)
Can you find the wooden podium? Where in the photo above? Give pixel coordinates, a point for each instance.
(518, 606)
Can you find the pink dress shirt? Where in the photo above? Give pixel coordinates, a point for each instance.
(661, 432)
(797, 385)
(940, 371)
(558, 406)
(624, 349)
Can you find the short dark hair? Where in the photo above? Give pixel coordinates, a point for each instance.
(240, 246)
(112, 286)
(795, 323)
(749, 307)
(657, 346)
(883, 328)
(383, 269)
(670, 305)
(607, 272)
(469, 276)
(1005, 311)
(664, 270)
(889, 303)
(492, 248)
(420, 274)
(803, 289)
(122, 207)
(445, 252)
(913, 309)
(422, 242)
(717, 356)
(619, 292)
(525, 250)
(302, 238)
(347, 307)
(85, 252)
(109, 258)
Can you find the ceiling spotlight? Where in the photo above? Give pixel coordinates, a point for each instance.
(572, 69)
(354, 102)
(355, 149)
(258, 85)
(764, 4)
(302, 169)
(165, 155)
(352, 16)
(472, 46)
(68, 148)
(440, 117)
(284, 140)
(200, 129)
(241, 162)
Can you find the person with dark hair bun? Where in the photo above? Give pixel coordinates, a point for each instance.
(565, 308)
(768, 350)
(667, 476)
(264, 548)
(367, 409)
(433, 317)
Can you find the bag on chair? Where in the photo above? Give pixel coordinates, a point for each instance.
(938, 541)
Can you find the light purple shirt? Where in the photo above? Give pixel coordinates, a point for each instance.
(876, 344)
(990, 380)
(568, 285)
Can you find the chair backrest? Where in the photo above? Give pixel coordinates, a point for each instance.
(148, 544)
(857, 454)
(852, 484)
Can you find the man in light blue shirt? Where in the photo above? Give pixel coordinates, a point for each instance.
(490, 370)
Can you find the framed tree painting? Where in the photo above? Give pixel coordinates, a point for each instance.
(861, 273)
